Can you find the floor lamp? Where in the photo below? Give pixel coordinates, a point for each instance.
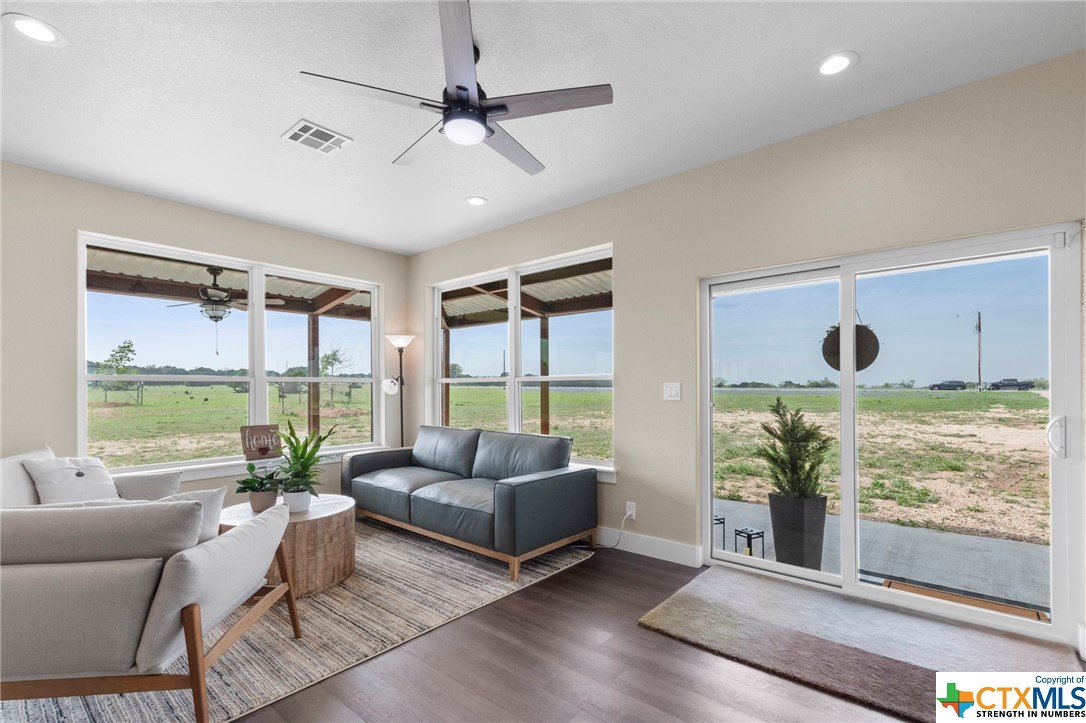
(395, 386)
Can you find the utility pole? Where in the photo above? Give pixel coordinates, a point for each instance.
(977, 329)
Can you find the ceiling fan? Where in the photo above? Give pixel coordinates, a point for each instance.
(468, 117)
(216, 302)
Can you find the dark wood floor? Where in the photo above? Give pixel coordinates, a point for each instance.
(566, 649)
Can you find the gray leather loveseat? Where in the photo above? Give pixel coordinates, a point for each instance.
(507, 496)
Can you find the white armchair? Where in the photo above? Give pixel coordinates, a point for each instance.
(98, 600)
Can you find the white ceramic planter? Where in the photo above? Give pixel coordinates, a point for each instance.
(297, 501)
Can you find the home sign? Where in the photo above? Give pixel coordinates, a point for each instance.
(261, 441)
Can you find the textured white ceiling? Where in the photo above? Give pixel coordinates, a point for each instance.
(188, 101)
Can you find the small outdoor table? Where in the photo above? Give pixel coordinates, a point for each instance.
(750, 535)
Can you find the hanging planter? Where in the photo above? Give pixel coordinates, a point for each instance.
(867, 347)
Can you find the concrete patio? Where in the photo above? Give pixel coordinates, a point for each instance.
(1004, 570)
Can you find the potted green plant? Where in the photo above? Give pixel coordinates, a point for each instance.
(262, 486)
(796, 454)
(299, 469)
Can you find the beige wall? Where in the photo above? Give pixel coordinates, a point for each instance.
(42, 213)
(1000, 154)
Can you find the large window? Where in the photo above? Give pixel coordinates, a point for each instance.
(538, 359)
(181, 351)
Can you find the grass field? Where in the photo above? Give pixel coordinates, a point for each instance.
(963, 461)
(178, 421)
(967, 462)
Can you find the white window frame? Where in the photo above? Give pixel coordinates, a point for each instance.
(515, 380)
(257, 379)
(1068, 590)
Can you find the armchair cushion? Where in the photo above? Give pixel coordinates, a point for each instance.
(504, 454)
(93, 612)
(30, 535)
(219, 575)
(17, 486)
(71, 479)
(445, 449)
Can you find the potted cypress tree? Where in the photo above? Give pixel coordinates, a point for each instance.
(796, 453)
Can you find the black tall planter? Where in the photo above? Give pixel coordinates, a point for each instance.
(799, 527)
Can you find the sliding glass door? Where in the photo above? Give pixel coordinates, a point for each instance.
(946, 414)
(765, 347)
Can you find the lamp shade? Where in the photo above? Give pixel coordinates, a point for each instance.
(400, 341)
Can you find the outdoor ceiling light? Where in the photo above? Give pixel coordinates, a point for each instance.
(215, 311)
(476, 201)
(835, 63)
(464, 125)
(37, 30)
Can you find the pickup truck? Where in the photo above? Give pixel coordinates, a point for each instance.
(1020, 385)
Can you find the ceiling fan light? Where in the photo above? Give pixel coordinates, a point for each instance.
(215, 311)
(464, 126)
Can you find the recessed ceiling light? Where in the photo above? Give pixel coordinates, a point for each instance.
(37, 30)
(834, 64)
(476, 200)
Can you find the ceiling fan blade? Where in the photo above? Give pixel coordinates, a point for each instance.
(506, 145)
(419, 147)
(548, 101)
(459, 50)
(244, 304)
(371, 91)
(187, 303)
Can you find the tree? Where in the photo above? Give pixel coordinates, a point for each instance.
(719, 382)
(333, 361)
(456, 371)
(117, 362)
(795, 452)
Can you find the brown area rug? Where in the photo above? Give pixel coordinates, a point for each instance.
(874, 654)
(403, 586)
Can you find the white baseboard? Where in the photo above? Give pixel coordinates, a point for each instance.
(1082, 641)
(668, 550)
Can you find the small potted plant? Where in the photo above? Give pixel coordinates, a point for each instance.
(262, 486)
(796, 453)
(299, 470)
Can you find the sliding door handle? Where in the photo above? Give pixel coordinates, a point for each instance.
(1056, 436)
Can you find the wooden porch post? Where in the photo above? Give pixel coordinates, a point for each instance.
(544, 370)
(314, 354)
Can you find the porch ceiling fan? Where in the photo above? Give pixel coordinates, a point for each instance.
(216, 302)
(468, 117)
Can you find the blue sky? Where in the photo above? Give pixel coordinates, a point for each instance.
(579, 344)
(924, 320)
(181, 336)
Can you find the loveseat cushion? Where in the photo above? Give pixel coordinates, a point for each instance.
(462, 508)
(445, 449)
(504, 454)
(388, 491)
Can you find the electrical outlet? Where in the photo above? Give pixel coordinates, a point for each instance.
(631, 510)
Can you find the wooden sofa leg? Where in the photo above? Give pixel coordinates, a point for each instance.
(592, 540)
(194, 643)
(286, 576)
(514, 569)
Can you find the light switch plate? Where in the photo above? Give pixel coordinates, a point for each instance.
(672, 391)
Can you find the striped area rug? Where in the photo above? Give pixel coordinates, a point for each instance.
(404, 585)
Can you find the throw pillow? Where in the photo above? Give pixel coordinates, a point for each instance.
(71, 479)
(212, 500)
(148, 485)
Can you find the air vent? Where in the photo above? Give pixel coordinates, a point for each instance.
(320, 139)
